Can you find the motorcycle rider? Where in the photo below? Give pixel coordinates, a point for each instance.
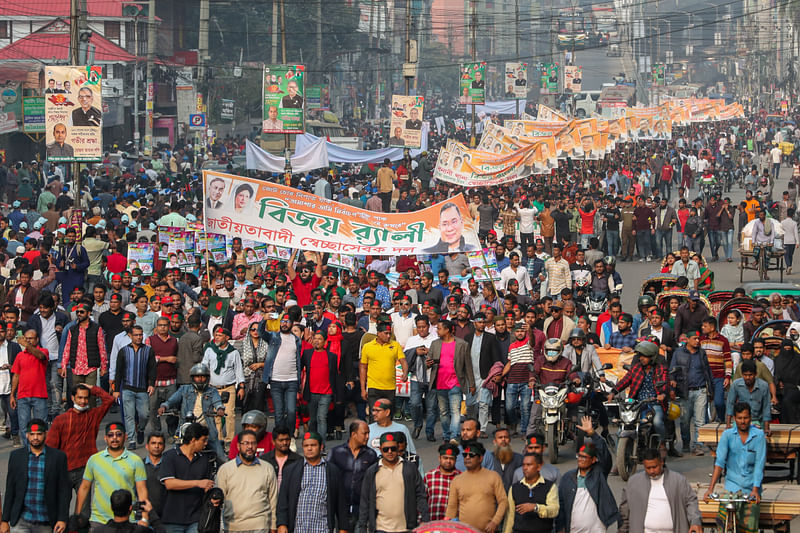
(585, 357)
(614, 279)
(643, 304)
(185, 399)
(255, 421)
(647, 378)
(553, 369)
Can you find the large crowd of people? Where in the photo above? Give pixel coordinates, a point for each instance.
(305, 351)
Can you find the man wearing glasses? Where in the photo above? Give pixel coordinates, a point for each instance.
(392, 493)
(86, 114)
(477, 496)
(85, 350)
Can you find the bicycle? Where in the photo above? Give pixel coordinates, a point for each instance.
(762, 253)
(731, 501)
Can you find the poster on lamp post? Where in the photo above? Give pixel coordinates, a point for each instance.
(515, 84)
(284, 99)
(472, 83)
(73, 118)
(405, 128)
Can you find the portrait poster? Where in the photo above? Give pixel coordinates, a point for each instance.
(287, 217)
(140, 255)
(573, 78)
(472, 83)
(405, 127)
(284, 99)
(516, 81)
(73, 105)
(548, 83)
(214, 244)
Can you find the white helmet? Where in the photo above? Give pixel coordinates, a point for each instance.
(552, 349)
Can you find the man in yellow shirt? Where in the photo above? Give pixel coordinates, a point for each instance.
(385, 183)
(751, 206)
(379, 358)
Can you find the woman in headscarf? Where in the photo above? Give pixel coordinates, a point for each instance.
(337, 414)
(787, 377)
(254, 353)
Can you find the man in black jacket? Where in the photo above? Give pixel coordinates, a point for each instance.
(594, 464)
(478, 404)
(281, 456)
(353, 458)
(381, 499)
(38, 489)
(301, 505)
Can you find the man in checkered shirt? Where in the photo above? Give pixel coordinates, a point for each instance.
(437, 481)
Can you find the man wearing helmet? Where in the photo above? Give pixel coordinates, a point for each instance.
(644, 304)
(186, 399)
(255, 421)
(552, 369)
(646, 379)
(585, 357)
(614, 279)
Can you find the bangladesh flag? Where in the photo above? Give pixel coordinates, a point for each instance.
(218, 306)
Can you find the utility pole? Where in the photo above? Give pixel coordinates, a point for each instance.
(78, 25)
(275, 9)
(516, 44)
(319, 39)
(473, 22)
(408, 43)
(136, 136)
(151, 50)
(202, 38)
(287, 169)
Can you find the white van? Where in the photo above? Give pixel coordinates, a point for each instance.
(586, 103)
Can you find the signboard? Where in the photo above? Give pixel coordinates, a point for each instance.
(33, 114)
(406, 121)
(549, 78)
(8, 122)
(197, 121)
(284, 99)
(659, 71)
(516, 81)
(73, 102)
(573, 78)
(276, 214)
(472, 83)
(227, 109)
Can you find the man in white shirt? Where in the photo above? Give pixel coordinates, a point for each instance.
(419, 372)
(227, 375)
(776, 154)
(403, 321)
(517, 272)
(658, 500)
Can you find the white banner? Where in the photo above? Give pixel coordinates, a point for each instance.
(312, 157)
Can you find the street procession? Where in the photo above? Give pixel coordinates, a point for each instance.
(384, 267)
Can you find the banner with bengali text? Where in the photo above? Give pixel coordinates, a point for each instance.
(275, 214)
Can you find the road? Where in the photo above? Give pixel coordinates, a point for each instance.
(598, 68)
(697, 469)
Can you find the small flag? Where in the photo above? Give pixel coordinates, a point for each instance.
(218, 306)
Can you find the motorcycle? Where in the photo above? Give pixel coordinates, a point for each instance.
(590, 386)
(636, 433)
(552, 398)
(595, 306)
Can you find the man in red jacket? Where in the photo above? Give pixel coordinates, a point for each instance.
(75, 431)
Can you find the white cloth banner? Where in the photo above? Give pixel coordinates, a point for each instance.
(312, 156)
(502, 107)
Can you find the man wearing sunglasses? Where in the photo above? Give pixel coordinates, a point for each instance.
(392, 493)
(109, 470)
(477, 496)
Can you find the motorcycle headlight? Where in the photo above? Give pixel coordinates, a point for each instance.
(549, 402)
(627, 417)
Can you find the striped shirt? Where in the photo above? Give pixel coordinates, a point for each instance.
(34, 509)
(108, 474)
(718, 351)
(135, 367)
(558, 275)
(520, 355)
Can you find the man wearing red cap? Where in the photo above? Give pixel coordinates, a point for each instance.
(437, 481)
(85, 350)
(116, 287)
